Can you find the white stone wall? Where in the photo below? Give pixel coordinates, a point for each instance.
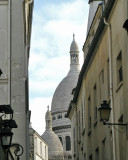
(14, 65)
(40, 148)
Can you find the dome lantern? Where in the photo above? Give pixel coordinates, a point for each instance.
(48, 118)
(74, 52)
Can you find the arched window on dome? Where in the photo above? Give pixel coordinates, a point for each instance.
(53, 118)
(61, 140)
(59, 116)
(68, 143)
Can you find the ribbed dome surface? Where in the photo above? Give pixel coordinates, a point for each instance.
(54, 145)
(62, 96)
(74, 47)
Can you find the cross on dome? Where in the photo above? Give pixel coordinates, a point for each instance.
(48, 107)
(73, 37)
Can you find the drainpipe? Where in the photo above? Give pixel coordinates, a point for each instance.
(29, 2)
(111, 85)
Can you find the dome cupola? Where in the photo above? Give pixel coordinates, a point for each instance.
(74, 46)
(48, 118)
(55, 149)
(63, 93)
(74, 53)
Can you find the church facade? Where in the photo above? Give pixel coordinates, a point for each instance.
(63, 95)
(55, 149)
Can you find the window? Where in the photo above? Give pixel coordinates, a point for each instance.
(74, 137)
(45, 153)
(121, 138)
(41, 149)
(111, 145)
(119, 68)
(82, 114)
(84, 156)
(61, 140)
(97, 154)
(36, 146)
(104, 156)
(95, 102)
(68, 143)
(89, 112)
(101, 81)
(79, 124)
(69, 157)
(90, 157)
(53, 118)
(59, 116)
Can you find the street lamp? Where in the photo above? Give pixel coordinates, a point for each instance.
(6, 110)
(15, 150)
(6, 137)
(105, 114)
(104, 111)
(5, 132)
(6, 125)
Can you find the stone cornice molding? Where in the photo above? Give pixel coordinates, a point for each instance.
(93, 45)
(61, 127)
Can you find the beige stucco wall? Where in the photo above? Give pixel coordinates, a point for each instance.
(97, 140)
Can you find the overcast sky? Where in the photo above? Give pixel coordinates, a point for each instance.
(54, 22)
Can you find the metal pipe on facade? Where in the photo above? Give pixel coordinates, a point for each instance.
(111, 84)
(29, 2)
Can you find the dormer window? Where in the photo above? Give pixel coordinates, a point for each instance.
(59, 116)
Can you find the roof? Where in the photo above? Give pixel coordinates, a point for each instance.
(91, 52)
(54, 145)
(63, 93)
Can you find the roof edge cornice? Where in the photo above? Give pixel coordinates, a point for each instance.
(95, 40)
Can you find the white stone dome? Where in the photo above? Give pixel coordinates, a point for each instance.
(61, 99)
(54, 145)
(55, 149)
(62, 96)
(74, 46)
(63, 93)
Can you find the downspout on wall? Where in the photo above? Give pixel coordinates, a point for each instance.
(111, 85)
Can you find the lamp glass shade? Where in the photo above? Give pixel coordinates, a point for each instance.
(6, 137)
(6, 140)
(105, 111)
(105, 114)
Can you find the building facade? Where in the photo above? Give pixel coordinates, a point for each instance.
(38, 149)
(63, 95)
(55, 149)
(15, 35)
(103, 76)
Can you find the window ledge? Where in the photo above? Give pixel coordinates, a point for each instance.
(119, 86)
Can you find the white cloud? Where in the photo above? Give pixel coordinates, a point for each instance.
(38, 106)
(53, 27)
